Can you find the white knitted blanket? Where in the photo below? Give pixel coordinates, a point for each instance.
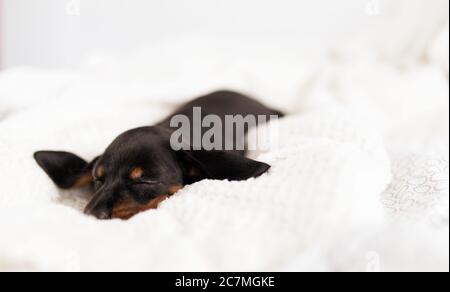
(319, 208)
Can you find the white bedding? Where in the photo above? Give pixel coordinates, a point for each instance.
(359, 178)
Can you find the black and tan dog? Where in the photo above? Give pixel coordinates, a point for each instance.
(140, 168)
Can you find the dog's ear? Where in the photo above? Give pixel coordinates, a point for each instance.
(65, 169)
(220, 165)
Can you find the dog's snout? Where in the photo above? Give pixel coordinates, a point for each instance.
(99, 207)
(103, 215)
(99, 213)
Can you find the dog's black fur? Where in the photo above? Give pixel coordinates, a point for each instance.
(140, 169)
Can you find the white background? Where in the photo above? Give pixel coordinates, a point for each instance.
(348, 108)
(63, 32)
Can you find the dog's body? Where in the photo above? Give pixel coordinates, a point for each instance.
(222, 104)
(140, 168)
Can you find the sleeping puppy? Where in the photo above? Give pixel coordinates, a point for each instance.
(141, 168)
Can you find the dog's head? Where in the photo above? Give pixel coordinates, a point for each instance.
(139, 170)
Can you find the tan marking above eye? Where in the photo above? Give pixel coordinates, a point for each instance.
(100, 172)
(136, 173)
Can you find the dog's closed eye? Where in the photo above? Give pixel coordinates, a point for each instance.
(98, 183)
(144, 181)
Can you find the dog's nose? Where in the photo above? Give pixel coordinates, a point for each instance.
(101, 214)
